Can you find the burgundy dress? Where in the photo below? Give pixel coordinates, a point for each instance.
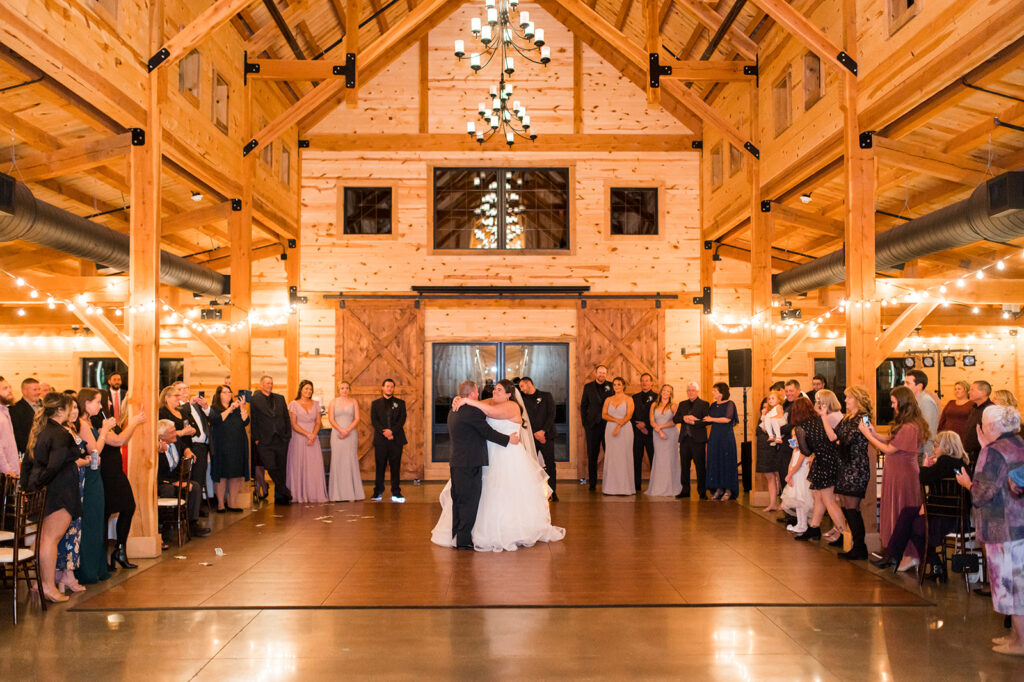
(901, 485)
(954, 418)
(306, 479)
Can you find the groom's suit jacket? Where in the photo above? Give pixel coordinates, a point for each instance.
(469, 431)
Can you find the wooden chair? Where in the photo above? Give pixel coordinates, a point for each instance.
(944, 499)
(174, 510)
(23, 554)
(8, 484)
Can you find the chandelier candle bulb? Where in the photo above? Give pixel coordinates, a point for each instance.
(489, 4)
(524, 19)
(474, 61)
(538, 38)
(545, 54)
(474, 26)
(526, 121)
(495, 104)
(460, 49)
(492, 16)
(470, 127)
(485, 35)
(510, 67)
(482, 108)
(530, 29)
(508, 138)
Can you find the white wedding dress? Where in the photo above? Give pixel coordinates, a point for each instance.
(513, 509)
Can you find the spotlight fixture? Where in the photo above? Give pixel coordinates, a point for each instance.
(197, 196)
(948, 361)
(805, 198)
(928, 361)
(909, 363)
(969, 361)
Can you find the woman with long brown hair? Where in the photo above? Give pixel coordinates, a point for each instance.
(51, 464)
(666, 469)
(900, 471)
(92, 565)
(118, 497)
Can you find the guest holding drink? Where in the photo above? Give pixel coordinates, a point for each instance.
(305, 459)
(346, 480)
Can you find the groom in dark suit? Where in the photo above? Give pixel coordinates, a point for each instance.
(469, 433)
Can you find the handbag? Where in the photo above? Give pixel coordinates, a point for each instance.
(965, 562)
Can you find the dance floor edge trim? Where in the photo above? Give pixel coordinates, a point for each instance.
(441, 607)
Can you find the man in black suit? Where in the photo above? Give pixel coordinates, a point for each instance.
(643, 434)
(23, 412)
(271, 432)
(197, 410)
(540, 408)
(591, 408)
(113, 397)
(168, 474)
(387, 415)
(469, 433)
(693, 439)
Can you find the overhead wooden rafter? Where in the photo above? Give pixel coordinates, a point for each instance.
(907, 322)
(208, 21)
(808, 33)
(740, 42)
(454, 142)
(74, 158)
(927, 160)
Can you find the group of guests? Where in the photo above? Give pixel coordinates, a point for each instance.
(673, 434)
(70, 443)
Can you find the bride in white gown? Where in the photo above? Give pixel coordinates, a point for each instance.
(513, 509)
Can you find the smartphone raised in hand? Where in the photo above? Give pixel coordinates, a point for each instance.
(793, 443)
(866, 419)
(202, 394)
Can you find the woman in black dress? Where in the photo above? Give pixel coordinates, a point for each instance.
(814, 443)
(51, 464)
(854, 466)
(118, 496)
(228, 419)
(170, 399)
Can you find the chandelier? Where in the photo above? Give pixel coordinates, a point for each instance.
(503, 38)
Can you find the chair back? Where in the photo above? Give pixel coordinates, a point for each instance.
(944, 499)
(29, 517)
(8, 499)
(184, 478)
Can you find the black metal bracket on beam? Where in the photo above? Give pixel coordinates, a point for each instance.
(248, 67)
(349, 70)
(697, 144)
(867, 139)
(292, 243)
(704, 300)
(754, 70)
(293, 296)
(766, 206)
(1004, 124)
(138, 137)
(249, 146)
(657, 70)
(708, 245)
(847, 61)
(158, 59)
(236, 204)
(303, 144)
(754, 151)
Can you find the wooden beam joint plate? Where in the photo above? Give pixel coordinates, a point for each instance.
(657, 70)
(847, 61)
(158, 59)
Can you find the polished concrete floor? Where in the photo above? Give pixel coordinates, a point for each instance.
(639, 588)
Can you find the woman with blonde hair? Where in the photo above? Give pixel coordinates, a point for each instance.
(770, 455)
(346, 480)
(666, 469)
(957, 411)
(824, 453)
(854, 471)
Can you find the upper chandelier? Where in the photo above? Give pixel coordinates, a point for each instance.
(502, 36)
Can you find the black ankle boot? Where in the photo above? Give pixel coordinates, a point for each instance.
(855, 522)
(121, 556)
(811, 533)
(111, 564)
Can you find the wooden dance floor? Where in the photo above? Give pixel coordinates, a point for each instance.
(617, 552)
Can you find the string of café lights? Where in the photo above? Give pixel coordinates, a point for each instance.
(186, 321)
(943, 292)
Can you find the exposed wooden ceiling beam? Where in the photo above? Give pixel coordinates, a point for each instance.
(455, 142)
(804, 30)
(716, 71)
(902, 327)
(203, 216)
(712, 19)
(282, 26)
(295, 69)
(620, 18)
(74, 158)
(808, 220)
(927, 160)
(208, 21)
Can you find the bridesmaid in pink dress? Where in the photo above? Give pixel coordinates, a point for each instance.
(306, 479)
(901, 486)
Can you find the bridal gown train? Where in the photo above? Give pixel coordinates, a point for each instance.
(513, 509)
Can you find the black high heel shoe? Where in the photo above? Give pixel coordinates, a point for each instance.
(811, 533)
(937, 573)
(120, 555)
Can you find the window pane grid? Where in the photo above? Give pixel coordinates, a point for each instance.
(634, 211)
(367, 210)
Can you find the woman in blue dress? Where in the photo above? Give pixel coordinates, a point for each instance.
(722, 416)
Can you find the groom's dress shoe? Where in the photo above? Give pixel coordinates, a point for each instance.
(554, 497)
(465, 547)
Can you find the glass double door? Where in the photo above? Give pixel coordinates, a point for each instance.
(547, 364)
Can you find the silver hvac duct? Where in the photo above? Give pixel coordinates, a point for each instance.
(994, 212)
(24, 217)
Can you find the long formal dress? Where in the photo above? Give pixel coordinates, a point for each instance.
(230, 445)
(618, 455)
(306, 479)
(513, 510)
(346, 483)
(722, 460)
(796, 496)
(901, 486)
(666, 470)
(92, 565)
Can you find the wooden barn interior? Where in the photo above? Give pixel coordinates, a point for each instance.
(237, 188)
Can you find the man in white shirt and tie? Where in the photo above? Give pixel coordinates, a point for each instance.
(197, 411)
(113, 397)
(168, 474)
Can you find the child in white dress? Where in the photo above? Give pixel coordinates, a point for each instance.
(773, 420)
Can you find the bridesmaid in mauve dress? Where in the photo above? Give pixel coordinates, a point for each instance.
(619, 478)
(346, 479)
(305, 460)
(666, 469)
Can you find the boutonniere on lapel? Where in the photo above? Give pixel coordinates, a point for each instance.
(607, 388)
(538, 400)
(394, 406)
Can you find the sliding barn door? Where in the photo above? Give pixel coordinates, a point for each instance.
(377, 341)
(629, 339)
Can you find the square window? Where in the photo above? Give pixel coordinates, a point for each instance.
(902, 11)
(220, 103)
(188, 76)
(735, 160)
(634, 211)
(782, 103)
(716, 166)
(367, 210)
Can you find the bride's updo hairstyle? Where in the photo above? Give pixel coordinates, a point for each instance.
(509, 387)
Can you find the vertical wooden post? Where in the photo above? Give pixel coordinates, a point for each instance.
(762, 229)
(240, 233)
(144, 311)
(425, 85)
(352, 45)
(291, 338)
(577, 85)
(652, 40)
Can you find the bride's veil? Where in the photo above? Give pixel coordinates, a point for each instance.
(526, 432)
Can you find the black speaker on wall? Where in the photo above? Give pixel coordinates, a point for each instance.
(740, 362)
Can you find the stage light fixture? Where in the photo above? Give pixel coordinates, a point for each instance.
(948, 361)
(969, 361)
(928, 361)
(909, 363)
